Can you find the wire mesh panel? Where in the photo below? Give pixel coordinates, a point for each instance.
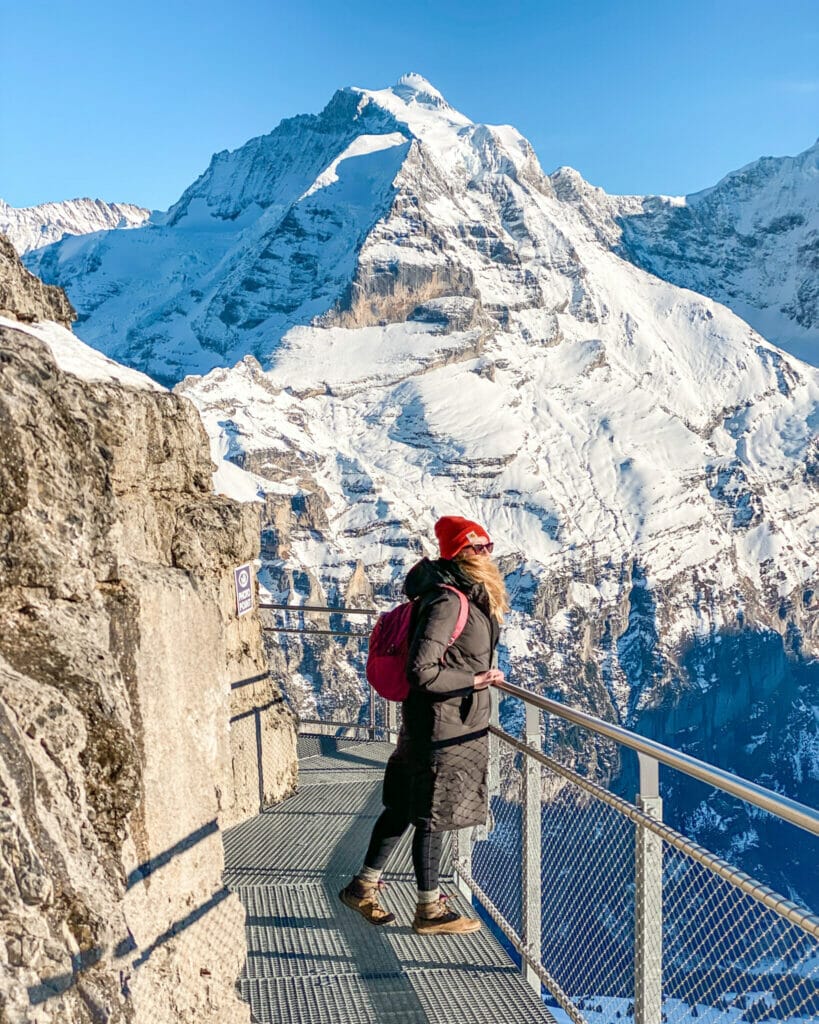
(496, 861)
(247, 765)
(718, 946)
(619, 915)
(323, 654)
(587, 893)
(727, 956)
(384, 716)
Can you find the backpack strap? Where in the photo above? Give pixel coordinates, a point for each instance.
(463, 613)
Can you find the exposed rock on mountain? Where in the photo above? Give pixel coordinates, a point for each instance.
(24, 296)
(32, 227)
(119, 645)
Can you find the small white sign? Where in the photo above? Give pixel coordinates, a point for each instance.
(243, 578)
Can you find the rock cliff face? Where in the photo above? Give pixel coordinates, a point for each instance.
(24, 296)
(120, 652)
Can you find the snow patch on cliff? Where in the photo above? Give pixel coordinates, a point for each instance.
(75, 357)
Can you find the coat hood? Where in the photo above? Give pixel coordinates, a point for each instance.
(427, 574)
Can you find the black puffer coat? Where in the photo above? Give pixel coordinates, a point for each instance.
(438, 770)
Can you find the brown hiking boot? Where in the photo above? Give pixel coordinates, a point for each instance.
(437, 919)
(363, 897)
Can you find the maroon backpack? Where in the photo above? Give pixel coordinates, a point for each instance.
(389, 647)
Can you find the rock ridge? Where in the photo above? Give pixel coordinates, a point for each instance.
(24, 297)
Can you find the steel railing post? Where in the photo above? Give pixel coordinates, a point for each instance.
(372, 716)
(494, 747)
(257, 720)
(493, 768)
(531, 867)
(493, 781)
(462, 855)
(648, 901)
(392, 721)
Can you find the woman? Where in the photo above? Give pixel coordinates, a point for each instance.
(436, 778)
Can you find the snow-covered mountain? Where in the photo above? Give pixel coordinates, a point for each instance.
(426, 324)
(751, 241)
(32, 227)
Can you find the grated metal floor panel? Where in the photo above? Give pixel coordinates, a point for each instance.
(310, 959)
(321, 830)
(361, 762)
(301, 924)
(454, 996)
(366, 751)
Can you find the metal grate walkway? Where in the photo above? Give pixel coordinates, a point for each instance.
(313, 961)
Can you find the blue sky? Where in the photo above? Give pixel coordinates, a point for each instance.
(127, 102)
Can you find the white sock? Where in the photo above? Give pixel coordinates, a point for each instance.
(369, 875)
(429, 896)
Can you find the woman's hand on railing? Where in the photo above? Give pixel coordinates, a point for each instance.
(488, 678)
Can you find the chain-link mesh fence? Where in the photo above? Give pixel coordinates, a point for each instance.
(246, 757)
(386, 716)
(322, 654)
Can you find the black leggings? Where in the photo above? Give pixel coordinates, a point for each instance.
(426, 847)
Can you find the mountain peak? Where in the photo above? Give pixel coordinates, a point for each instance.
(413, 87)
(32, 227)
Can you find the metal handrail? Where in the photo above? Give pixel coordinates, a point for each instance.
(316, 608)
(781, 806)
(798, 814)
(315, 630)
(653, 842)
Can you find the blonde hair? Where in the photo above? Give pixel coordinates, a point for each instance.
(480, 569)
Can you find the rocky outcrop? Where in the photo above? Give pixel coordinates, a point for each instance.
(24, 296)
(392, 293)
(126, 682)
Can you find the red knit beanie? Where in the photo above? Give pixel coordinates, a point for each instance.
(455, 533)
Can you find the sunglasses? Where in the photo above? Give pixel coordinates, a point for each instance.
(483, 549)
